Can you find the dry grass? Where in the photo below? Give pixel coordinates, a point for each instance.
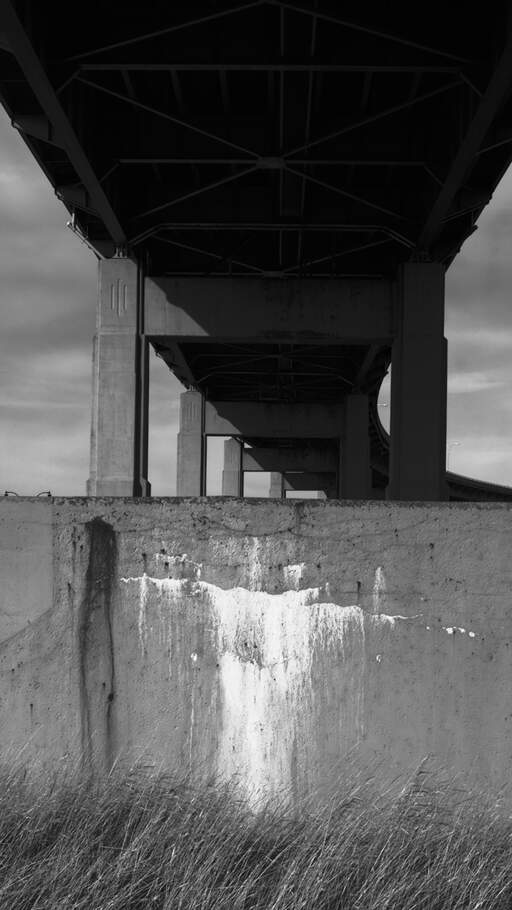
(137, 840)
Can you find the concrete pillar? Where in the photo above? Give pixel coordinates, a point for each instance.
(190, 463)
(232, 476)
(119, 426)
(354, 475)
(418, 386)
(276, 485)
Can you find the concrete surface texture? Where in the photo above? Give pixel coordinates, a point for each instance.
(258, 639)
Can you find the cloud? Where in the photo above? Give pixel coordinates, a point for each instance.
(464, 383)
(483, 457)
(478, 281)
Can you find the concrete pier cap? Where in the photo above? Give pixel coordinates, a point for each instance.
(261, 641)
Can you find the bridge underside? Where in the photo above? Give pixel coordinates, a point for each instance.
(275, 190)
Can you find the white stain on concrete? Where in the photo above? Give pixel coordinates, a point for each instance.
(265, 646)
(379, 589)
(451, 630)
(293, 574)
(182, 563)
(169, 645)
(142, 617)
(254, 563)
(391, 619)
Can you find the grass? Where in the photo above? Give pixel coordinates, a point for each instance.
(139, 840)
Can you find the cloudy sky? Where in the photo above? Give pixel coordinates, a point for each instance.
(47, 305)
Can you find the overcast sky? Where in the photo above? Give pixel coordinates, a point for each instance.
(47, 304)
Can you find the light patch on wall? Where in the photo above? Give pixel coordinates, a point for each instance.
(182, 563)
(265, 647)
(293, 574)
(379, 589)
(451, 630)
(254, 561)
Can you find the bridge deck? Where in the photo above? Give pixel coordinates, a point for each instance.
(264, 137)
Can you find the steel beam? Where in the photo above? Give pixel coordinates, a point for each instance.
(217, 256)
(334, 227)
(198, 192)
(50, 104)
(37, 126)
(355, 26)
(278, 163)
(364, 121)
(318, 459)
(499, 88)
(340, 192)
(165, 116)
(270, 310)
(273, 420)
(178, 26)
(366, 366)
(276, 67)
(172, 355)
(337, 255)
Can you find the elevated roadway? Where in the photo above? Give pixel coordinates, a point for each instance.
(264, 144)
(458, 487)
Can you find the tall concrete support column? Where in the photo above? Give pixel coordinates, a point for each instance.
(119, 427)
(232, 476)
(191, 468)
(276, 485)
(354, 475)
(418, 386)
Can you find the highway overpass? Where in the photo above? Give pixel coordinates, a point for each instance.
(274, 190)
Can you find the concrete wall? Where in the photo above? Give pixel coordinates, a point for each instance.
(264, 639)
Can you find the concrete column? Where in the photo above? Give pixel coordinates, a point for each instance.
(191, 473)
(418, 387)
(119, 426)
(354, 475)
(232, 476)
(276, 485)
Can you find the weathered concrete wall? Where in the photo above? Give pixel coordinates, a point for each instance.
(264, 639)
(26, 563)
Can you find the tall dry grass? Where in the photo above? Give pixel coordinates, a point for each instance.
(138, 840)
